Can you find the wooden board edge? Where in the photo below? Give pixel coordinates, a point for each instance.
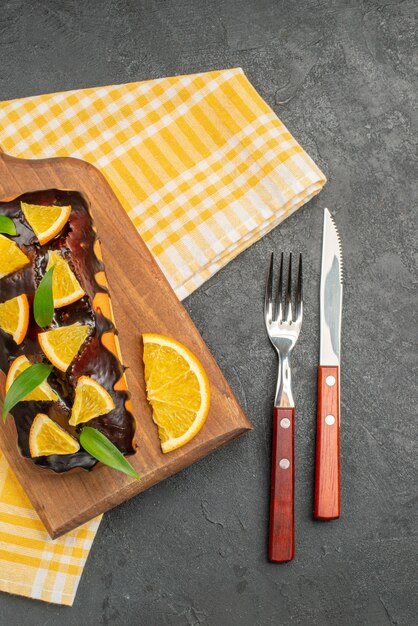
(133, 489)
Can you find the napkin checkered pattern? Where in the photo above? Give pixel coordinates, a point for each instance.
(204, 168)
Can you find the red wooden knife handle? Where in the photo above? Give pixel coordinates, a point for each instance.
(327, 467)
(282, 528)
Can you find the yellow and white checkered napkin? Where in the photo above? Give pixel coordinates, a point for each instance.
(203, 168)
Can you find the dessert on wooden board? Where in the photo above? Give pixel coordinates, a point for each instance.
(143, 302)
(86, 385)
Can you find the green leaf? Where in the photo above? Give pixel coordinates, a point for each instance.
(43, 303)
(99, 446)
(26, 382)
(7, 226)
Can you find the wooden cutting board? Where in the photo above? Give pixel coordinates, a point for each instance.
(143, 301)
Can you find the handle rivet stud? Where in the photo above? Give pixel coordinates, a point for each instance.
(330, 380)
(330, 420)
(284, 463)
(285, 423)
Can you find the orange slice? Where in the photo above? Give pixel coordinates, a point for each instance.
(46, 437)
(11, 257)
(43, 392)
(61, 345)
(177, 389)
(65, 286)
(91, 400)
(45, 221)
(14, 317)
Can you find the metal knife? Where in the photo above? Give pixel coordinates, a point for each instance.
(327, 466)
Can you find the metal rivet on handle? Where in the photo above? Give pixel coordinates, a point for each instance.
(284, 463)
(330, 420)
(330, 380)
(285, 423)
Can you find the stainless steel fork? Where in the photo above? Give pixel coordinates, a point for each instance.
(283, 329)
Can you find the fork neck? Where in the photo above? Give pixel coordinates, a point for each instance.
(284, 397)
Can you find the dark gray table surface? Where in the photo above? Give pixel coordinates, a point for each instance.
(342, 75)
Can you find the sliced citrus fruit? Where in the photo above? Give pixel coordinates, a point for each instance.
(11, 257)
(14, 317)
(43, 392)
(91, 400)
(65, 286)
(45, 221)
(61, 345)
(46, 437)
(177, 389)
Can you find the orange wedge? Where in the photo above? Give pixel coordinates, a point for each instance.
(43, 392)
(177, 389)
(11, 257)
(61, 345)
(46, 437)
(91, 400)
(65, 287)
(14, 317)
(46, 221)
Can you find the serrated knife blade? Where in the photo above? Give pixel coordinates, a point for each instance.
(331, 293)
(327, 467)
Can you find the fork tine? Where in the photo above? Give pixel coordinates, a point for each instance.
(268, 294)
(288, 310)
(279, 297)
(299, 293)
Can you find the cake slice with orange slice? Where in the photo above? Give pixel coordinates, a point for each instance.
(47, 437)
(177, 389)
(14, 317)
(42, 393)
(12, 258)
(46, 221)
(65, 287)
(61, 345)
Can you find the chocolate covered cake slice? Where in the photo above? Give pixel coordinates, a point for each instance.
(87, 386)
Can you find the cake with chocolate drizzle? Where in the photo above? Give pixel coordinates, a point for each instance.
(98, 357)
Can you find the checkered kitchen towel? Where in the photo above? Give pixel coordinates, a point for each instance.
(203, 168)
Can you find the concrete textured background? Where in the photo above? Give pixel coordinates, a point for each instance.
(342, 75)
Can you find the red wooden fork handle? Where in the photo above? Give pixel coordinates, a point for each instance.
(282, 528)
(327, 467)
